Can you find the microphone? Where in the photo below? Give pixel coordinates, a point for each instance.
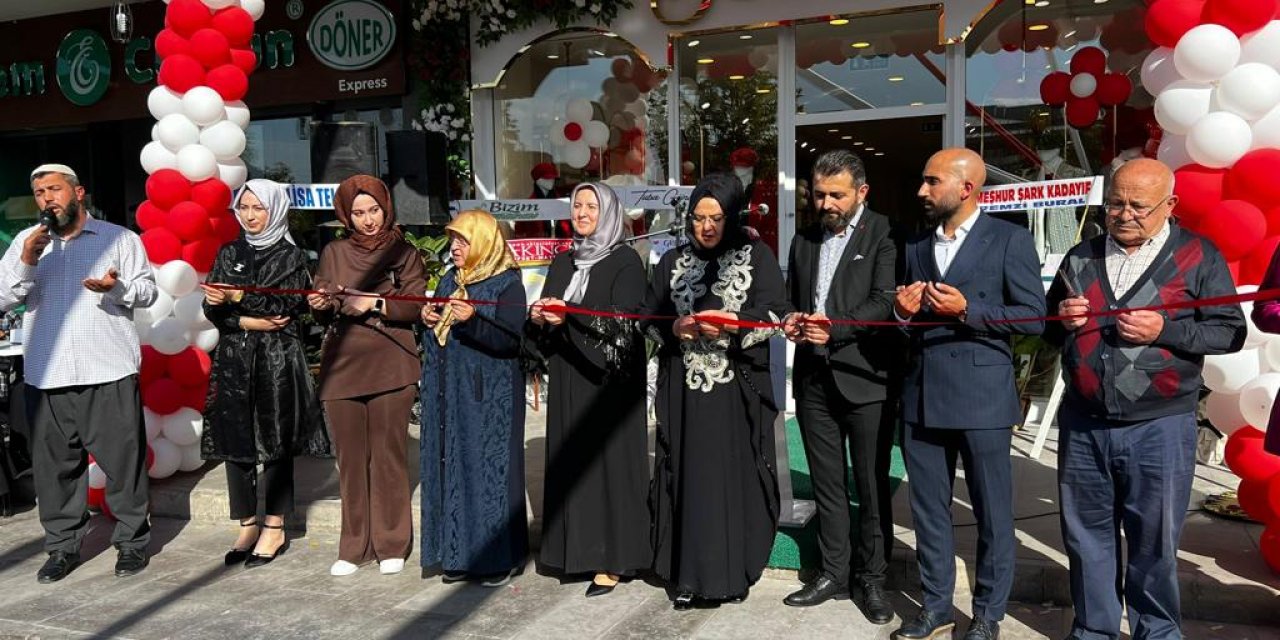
(49, 219)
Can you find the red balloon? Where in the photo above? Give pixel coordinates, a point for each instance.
(169, 43)
(1082, 112)
(211, 48)
(1113, 89)
(164, 396)
(1055, 89)
(1235, 226)
(189, 367)
(154, 366)
(1252, 496)
(212, 194)
(187, 16)
(1240, 16)
(1089, 60)
(1198, 189)
(189, 221)
(201, 254)
(106, 508)
(1254, 266)
(1168, 20)
(1234, 269)
(1273, 220)
(572, 132)
(181, 72)
(167, 187)
(1253, 178)
(225, 227)
(149, 216)
(1246, 458)
(195, 396)
(1269, 545)
(246, 59)
(96, 498)
(161, 245)
(229, 81)
(236, 24)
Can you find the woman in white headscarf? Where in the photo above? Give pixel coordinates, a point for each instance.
(261, 407)
(595, 516)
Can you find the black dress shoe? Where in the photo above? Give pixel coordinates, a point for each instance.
(256, 559)
(594, 589)
(131, 562)
(683, 602)
(817, 592)
(983, 629)
(59, 564)
(926, 626)
(449, 577)
(874, 604)
(236, 556)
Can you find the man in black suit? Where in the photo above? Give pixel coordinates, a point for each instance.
(971, 281)
(843, 268)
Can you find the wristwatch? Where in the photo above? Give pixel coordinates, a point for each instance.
(379, 306)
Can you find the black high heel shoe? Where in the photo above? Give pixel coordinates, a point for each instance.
(236, 556)
(683, 602)
(257, 560)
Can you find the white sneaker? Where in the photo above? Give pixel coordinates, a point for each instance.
(390, 566)
(342, 568)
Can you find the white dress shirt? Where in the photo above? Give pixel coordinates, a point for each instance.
(833, 246)
(945, 249)
(75, 336)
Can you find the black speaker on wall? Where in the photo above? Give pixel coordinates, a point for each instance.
(340, 150)
(419, 176)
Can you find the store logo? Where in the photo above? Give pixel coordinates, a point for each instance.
(350, 35)
(84, 67)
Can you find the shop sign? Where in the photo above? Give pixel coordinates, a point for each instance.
(538, 251)
(311, 196)
(350, 35)
(1042, 195)
(644, 197)
(83, 67)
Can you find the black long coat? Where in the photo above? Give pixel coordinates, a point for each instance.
(261, 404)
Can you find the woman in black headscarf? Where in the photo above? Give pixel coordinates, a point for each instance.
(714, 493)
(594, 516)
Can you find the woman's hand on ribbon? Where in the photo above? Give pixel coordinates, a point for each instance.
(321, 300)
(552, 311)
(219, 294)
(1077, 306)
(791, 327)
(272, 323)
(431, 315)
(685, 328)
(356, 303)
(462, 311)
(816, 328)
(710, 323)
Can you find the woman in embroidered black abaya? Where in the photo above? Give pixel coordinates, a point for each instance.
(594, 515)
(714, 493)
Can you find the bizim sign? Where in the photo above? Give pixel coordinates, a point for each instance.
(350, 35)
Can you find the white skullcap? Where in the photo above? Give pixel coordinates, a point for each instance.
(54, 168)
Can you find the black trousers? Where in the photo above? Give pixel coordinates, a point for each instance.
(827, 420)
(242, 487)
(67, 425)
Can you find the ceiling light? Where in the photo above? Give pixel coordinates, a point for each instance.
(706, 60)
(694, 43)
(895, 78)
(857, 143)
(1099, 1)
(1029, 2)
(704, 105)
(917, 104)
(763, 90)
(840, 22)
(746, 120)
(871, 148)
(1038, 27)
(804, 145)
(846, 137)
(745, 36)
(879, 153)
(736, 77)
(1042, 3)
(833, 131)
(552, 56)
(860, 45)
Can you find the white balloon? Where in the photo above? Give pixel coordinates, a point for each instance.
(596, 134)
(1173, 151)
(97, 479)
(1206, 52)
(155, 132)
(177, 131)
(196, 162)
(1083, 85)
(203, 336)
(1219, 139)
(191, 459)
(158, 309)
(143, 327)
(1254, 338)
(189, 309)
(1266, 130)
(154, 423)
(220, 4)
(577, 154)
(177, 278)
(183, 427)
(233, 173)
(204, 106)
(1257, 397)
(238, 113)
(578, 110)
(1158, 71)
(1223, 411)
(169, 336)
(1182, 104)
(255, 8)
(1270, 352)
(557, 135)
(1250, 90)
(1262, 46)
(1227, 373)
(225, 139)
(163, 101)
(155, 157)
(165, 460)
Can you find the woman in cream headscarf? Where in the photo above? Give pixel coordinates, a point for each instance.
(473, 516)
(261, 407)
(595, 514)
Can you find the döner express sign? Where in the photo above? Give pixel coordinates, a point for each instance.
(350, 35)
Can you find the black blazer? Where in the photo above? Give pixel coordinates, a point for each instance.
(862, 289)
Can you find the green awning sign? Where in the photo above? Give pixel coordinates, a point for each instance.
(350, 35)
(84, 67)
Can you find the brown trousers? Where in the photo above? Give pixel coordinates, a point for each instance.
(371, 434)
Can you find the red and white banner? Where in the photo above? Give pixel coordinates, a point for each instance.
(1076, 192)
(538, 251)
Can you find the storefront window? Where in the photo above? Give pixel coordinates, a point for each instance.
(579, 106)
(285, 149)
(869, 62)
(729, 116)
